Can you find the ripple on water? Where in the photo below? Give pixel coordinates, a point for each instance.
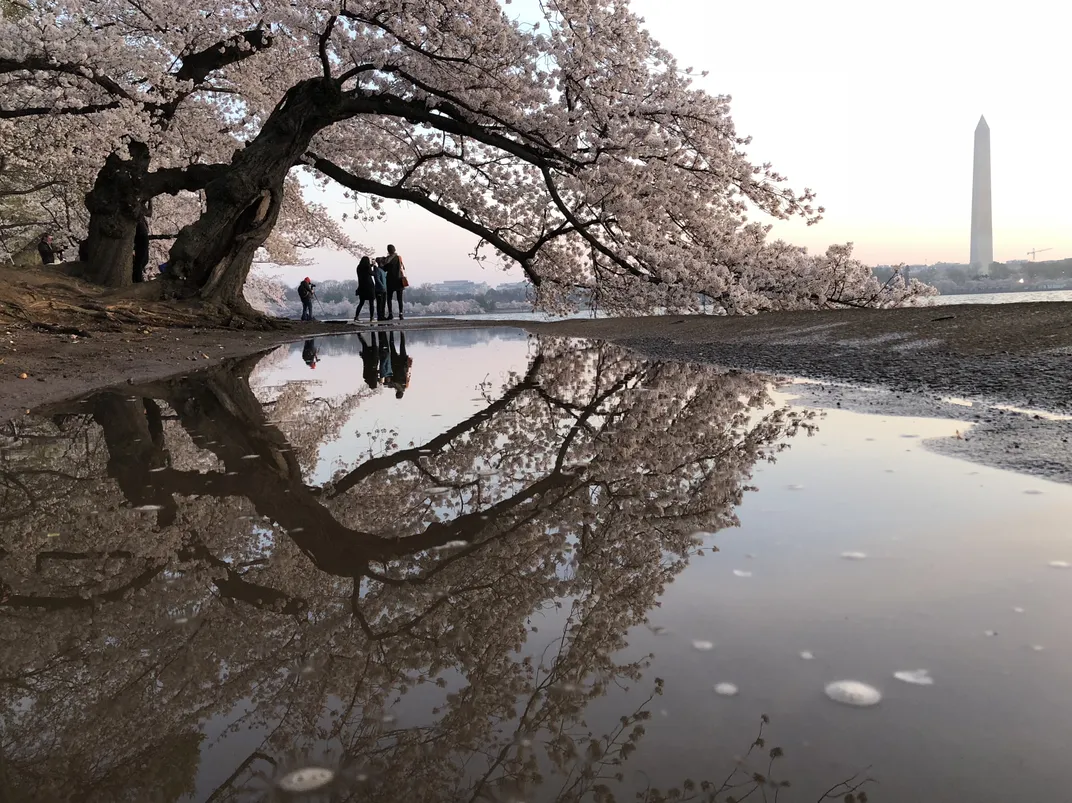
(306, 779)
(917, 677)
(853, 692)
(726, 689)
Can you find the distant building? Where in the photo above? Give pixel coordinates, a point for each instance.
(459, 287)
(508, 286)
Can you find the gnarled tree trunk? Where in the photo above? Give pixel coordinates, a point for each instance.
(114, 204)
(242, 205)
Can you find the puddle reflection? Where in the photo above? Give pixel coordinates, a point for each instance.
(189, 612)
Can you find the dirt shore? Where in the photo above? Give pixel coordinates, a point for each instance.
(1014, 354)
(1019, 354)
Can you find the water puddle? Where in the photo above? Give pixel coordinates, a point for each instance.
(478, 565)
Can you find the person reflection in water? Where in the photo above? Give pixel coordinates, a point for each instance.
(400, 365)
(386, 370)
(371, 362)
(310, 354)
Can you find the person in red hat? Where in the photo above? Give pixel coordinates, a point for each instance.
(305, 293)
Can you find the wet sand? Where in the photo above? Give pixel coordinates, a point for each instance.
(1017, 354)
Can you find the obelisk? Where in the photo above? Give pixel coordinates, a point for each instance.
(982, 227)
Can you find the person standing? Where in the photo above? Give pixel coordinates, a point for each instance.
(400, 365)
(366, 287)
(305, 293)
(45, 249)
(385, 358)
(370, 361)
(310, 354)
(396, 281)
(379, 276)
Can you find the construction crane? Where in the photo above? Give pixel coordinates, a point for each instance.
(1034, 251)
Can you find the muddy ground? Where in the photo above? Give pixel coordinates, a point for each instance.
(1019, 354)
(899, 362)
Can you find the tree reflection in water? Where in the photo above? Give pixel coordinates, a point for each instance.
(307, 614)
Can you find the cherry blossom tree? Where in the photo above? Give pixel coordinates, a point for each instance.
(572, 145)
(165, 561)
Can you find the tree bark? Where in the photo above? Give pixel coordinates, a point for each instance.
(215, 253)
(114, 204)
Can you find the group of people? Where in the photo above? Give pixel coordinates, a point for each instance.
(384, 365)
(381, 282)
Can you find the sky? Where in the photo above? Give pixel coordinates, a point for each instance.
(874, 107)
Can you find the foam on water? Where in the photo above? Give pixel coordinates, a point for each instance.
(853, 692)
(917, 677)
(306, 779)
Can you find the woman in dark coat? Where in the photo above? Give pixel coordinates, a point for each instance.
(366, 288)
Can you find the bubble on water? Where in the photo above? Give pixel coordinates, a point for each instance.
(148, 508)
(306, 779)
(854, 555)
(917, 677)
(741, 573)
(853, 692)
(452, 545)
(1017, 610)
(1059, 564)
(1033, 492)
(807, 656)
(703, 646)
(726, 689)
(796, 487)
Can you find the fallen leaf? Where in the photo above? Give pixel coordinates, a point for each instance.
(24, 375)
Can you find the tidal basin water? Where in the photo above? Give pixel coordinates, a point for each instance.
(479, 565)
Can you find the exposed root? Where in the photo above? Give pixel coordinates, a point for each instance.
(52, 299)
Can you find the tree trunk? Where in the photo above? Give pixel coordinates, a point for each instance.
(114, 204)
(242, 205)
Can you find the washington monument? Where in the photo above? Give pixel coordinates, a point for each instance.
(982, 231)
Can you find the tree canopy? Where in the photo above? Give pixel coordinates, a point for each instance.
(573, 145)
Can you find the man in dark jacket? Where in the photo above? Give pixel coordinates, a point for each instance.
(305, 293)
(45, 249)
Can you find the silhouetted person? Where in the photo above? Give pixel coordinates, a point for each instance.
(366, 287)
(141, 248)
(385, 359)
(45, 249)
(379, 277)
(305, 293)
(400, 365)
(370, 361)
(309, 353)
(396, 281)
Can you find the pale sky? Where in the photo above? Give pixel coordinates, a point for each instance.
(874, 107)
